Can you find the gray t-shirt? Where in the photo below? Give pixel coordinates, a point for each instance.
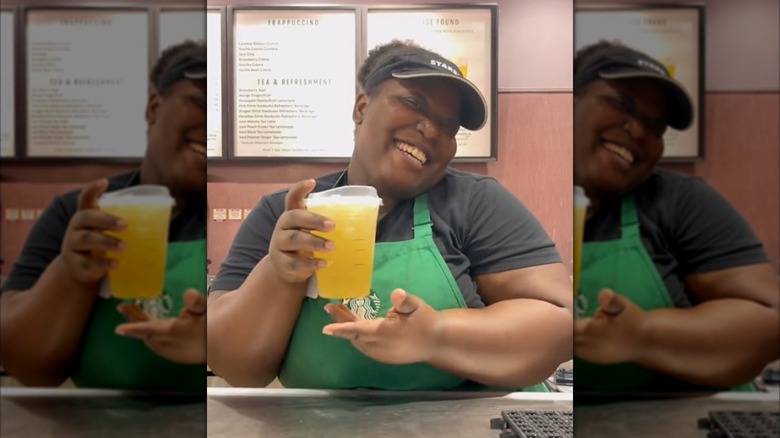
(478, 226)
(686, 227)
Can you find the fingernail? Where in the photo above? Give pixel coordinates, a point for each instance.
(327, 332)
(113, 264)
(322, 263)
(330, 245)
(121, 246)
(340, 335)
(328, 225)
(120, 224)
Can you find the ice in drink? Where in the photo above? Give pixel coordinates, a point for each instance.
(146, 210)
(354, 210)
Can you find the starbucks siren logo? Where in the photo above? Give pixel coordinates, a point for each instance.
(580, 306)
(156, 307)
(364, 307)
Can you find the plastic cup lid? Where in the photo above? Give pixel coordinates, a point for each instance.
(143, 195)
(363, 195)
(580, 199)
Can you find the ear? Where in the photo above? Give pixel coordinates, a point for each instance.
(358, 112)
(151, 108)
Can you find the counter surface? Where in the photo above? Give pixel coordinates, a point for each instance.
(287, 413)
(325, 414)
(667, 418)
(32, 412)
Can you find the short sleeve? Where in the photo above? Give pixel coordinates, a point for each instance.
(502, 234)
(708, 232)
(43, 245)
(249, 246)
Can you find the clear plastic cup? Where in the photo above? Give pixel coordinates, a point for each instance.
(147, 211)
(581, 203)
(354, 210)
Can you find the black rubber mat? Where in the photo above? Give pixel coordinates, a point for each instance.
(771, 377)
(564, 377)
(742, 424)
(534, 424)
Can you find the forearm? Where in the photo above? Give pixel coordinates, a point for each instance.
(41, 328)
(513, 343)
(718, 343)
(249, 328)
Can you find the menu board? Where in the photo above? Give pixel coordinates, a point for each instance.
(177, 26)
(86, 82)
(214, 84)
(7, 89)
(465, 37)
(670, 35)
(293, 82)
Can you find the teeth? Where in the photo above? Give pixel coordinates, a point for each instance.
(413, 151)
(197, 147)
(621, 152)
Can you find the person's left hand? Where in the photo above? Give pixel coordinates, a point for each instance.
(615, 333)
(181, 339)
(408, 334)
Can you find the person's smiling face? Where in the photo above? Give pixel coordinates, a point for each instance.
(618, 134)
(405, 136)
(177, 136)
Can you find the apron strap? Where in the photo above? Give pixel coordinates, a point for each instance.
(422, 217)
(341, 181)
(629, 220)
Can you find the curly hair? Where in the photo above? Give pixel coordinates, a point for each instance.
(385, 54)
(172, 56)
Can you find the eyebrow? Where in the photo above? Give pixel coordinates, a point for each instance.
(626, 95)
(197, 99)
(653, 119)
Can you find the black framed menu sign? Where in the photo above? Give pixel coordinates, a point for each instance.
(465, 35)
(215, 19)
(177, 25)
(87, 71)
(293, 90)
(7, 88)
(674, 35)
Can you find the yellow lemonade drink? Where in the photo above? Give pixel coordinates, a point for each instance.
(147, 211)
(580, 207)
(351, 263)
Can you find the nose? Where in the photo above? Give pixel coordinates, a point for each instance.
(636, 128)
(428, 129)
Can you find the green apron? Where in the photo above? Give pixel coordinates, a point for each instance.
(315, 360)
(107, 360)
(624, 266)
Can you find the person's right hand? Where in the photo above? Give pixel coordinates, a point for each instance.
(291, 247)
(84, 245)
(617, 333)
